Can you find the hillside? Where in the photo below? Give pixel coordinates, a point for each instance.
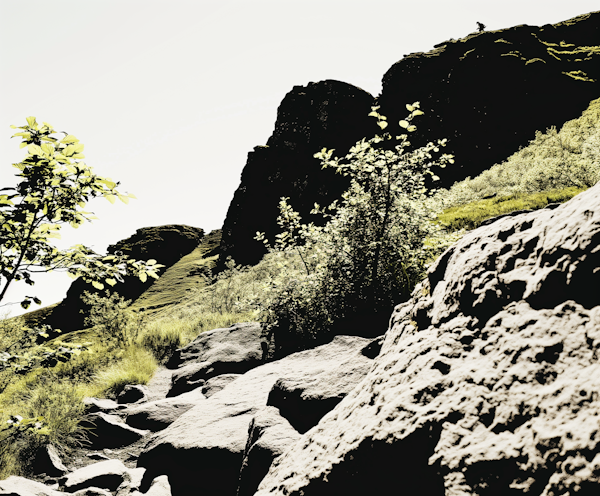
(482, 381)
(487, 93)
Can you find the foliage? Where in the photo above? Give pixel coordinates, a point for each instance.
(136, 366)
(119, 326)
(55, 187)
(372, 250)
(50, 413)
(552, 161)
(471, 215)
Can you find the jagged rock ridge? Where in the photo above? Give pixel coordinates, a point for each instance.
(487, 93)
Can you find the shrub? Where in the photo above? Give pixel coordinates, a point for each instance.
(119, 326)
(49, 413)
(370, 253)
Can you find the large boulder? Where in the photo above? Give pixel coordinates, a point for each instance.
(20, 486)
(108, 474)
(159, 414)
(204, 447)
(109, 431)
(488, 382)
(233, 350)
(269, 434)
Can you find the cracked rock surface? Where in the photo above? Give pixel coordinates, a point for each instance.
(488, 381)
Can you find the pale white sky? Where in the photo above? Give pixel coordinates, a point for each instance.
(169, 96)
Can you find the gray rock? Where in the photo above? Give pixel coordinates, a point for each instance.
(92, 491)
(268, 436)
(235, 349)
(133, 393)
(158, 415)
(20, 486)
(159, 487)
(47, 461)
(97, 456)
(488, 381)
(303, 399)
(215, 384)
(132, 481)
(108, 475)
(109, 431)
(95, 405)
(207, 442)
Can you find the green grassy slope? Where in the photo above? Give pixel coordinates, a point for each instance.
(190, 274)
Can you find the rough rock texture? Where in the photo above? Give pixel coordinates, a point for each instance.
(109, 431)
(104, 405)
(268, 436)
(165, 244)
(158, 415)
(304, 399)
(109, 475)
(465, 87)
(488, 382)
(207, 442)
(19, 486)
(235, 349)
(215, 384)
(47, 461)
(159, 487)
(488, 93)
(133, 393)
(328, 114)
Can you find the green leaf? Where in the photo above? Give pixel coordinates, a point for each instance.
(31, 121)
(97, 285)
(143, 276)
(110, 198)
(410, 108)
(112, 282)
(382, 124)
(411, 128)
(403, 124)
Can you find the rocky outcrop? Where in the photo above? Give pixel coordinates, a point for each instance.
(488, 381)
(328, 114)
(487, 93)
(233, 350)
(165, 244)
(208, 442)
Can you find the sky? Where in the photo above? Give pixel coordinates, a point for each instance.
(169, 96)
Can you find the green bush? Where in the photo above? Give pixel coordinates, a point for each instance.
(48, 413)
(372, 250)
(119, 326)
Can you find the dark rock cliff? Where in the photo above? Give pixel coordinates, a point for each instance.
(487, 93)
(328, 114)
(165, 244)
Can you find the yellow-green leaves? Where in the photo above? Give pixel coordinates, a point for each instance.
(54, 189)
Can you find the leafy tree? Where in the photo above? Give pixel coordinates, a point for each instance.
(374, 246)
(54, 189)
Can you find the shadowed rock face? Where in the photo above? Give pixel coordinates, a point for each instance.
(487, 94)
(488, 381)
(328, 114)
(165, 244)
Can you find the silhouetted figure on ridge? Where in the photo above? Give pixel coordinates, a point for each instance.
(480, 27)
